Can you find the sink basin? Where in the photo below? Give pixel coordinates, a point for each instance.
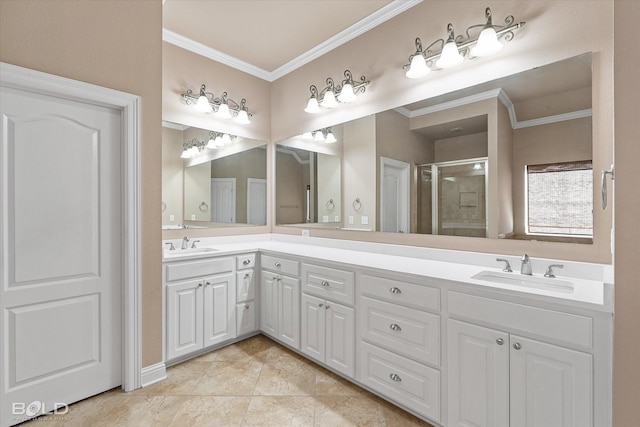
(184, 252)
(515, 279)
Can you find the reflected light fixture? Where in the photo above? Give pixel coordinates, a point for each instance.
(223, 107)
(332, 95)
(454, 49)
(195, 146)
(321, 135)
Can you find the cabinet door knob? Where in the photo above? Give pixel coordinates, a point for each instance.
(200, 285)
(500, 341)
(517, 346)
(395, 327)
(320, 305)
(325, 283)
(327, 306)
(246, 276)
(246, 262)
(207, 284)
(395, 377)
(246, 307)
(277, 264)
(395, 290)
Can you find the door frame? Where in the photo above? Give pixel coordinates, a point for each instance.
(405, 190)
(28, 80)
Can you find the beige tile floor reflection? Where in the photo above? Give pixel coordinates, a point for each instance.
(256, 382)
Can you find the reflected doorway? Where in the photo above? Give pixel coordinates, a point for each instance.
(452, 198)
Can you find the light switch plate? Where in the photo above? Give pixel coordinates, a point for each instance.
(172, 218)
(364, 220)
(325, 218)
(350, 219)
(193, 217)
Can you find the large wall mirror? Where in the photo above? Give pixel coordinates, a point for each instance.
(224, 186)
(508, 159)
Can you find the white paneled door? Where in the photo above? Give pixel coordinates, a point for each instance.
(61, 239)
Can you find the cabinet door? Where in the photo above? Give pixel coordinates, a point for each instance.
(219, 309)
(245, 286)
(340, 338)
(289, 311)
(478, 376)
(246, 317)
(184, 318)
(269, 304)
(550, 385)
(312, 334)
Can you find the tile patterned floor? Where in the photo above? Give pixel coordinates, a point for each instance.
(256, 382)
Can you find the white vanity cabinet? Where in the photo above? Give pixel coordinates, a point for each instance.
(280, 299)
(200, 298)
(328, 326)
(245, 294)
(399, 325)
(500, 379)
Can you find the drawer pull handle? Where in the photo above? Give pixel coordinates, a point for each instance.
(325, 283)
(246, 262)
(277, 264)
(395, 290)
(395, 377)
(517, 346)
(395, 327)
(500, 341)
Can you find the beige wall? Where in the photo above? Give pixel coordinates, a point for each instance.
(118, 45)
(626, 352)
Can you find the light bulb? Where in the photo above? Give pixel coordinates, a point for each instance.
(212, 143)
(203, 105)
(330, 138)
(219, 142)
(243, 117)
(223, 111)
(226, 139)
(346, 94)
(488, 43)
(307, 135)
(329, 100)
(185, 154)
(318, 137)
(450, 57)
(418, 68)
(312, 106)
(193, 151)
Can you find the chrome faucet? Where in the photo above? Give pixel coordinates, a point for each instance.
(193, 244)
(507, 266)
(185, 243)
(525, 266)
(549, 272)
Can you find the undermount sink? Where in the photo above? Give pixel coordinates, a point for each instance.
(516, 279)
(188, 251)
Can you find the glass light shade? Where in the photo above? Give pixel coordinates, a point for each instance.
(488, 43)
(312, 106)
(212, 144)
(203, 105)
(318, 137)
(418, 68)
(330, 138)
(223, 111)
(226, 139)
(307, 135)
(185, 154)
(193, 151)
(329, 100)
(243, 117)
(346, 94)
(450, 57)
(219, 142)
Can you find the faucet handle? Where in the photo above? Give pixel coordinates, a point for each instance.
(507, 266)
(171, 247)
(193, 243)
(549, 272)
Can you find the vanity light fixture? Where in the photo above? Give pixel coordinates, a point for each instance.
(321, 135)
(454, 49)
(333, 94)
(195, 146)
(223, 107)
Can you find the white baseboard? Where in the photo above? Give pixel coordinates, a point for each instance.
(153, 374)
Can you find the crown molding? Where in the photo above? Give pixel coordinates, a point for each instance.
(378, 17)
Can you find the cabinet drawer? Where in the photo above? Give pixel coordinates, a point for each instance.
(570, 328)
(330, 283)
(204, 267)
(245, 261)
(246, 317)
(245, 285)
(409, 294)
(403, 330)
(409, 383)
(280, 265)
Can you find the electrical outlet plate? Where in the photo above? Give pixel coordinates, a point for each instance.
(305, 233)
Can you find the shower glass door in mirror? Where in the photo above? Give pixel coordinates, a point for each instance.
(221, 182)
